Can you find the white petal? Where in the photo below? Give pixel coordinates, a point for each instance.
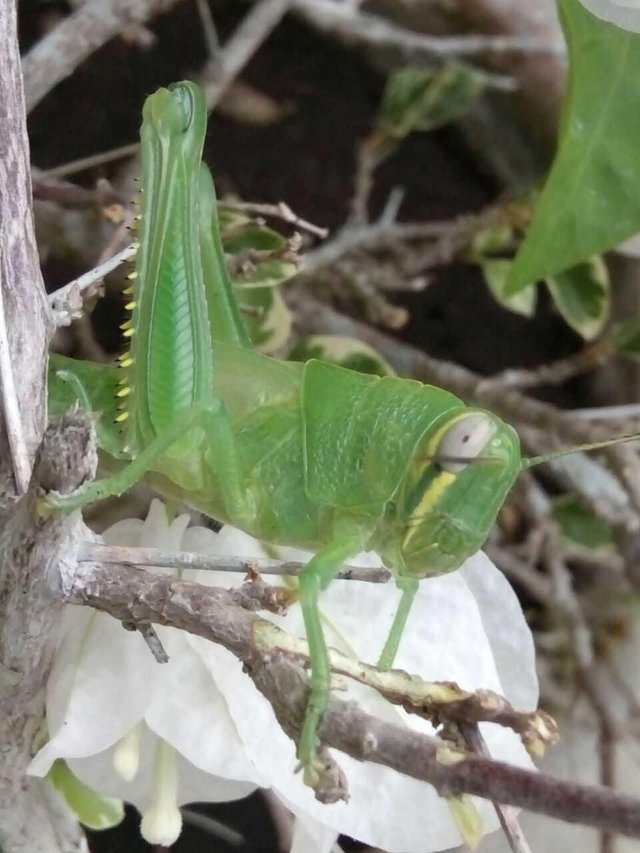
(126, 532)
(450, 636)
(458, 625)
(311, 836)
(102, 682)
(623, 14)
(158, 533)
(193, 784)
(192, 715)
(630, 247)
(509, 636)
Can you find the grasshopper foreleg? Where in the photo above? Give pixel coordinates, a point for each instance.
(78, 386)
(316, 576)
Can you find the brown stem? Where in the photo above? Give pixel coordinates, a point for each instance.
(212, 613)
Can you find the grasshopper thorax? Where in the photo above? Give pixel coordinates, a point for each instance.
(458, 478)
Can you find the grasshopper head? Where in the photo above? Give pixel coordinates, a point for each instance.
(171, 112)
(458, 479)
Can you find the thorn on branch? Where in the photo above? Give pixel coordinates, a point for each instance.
(255, 594)
(151, 638)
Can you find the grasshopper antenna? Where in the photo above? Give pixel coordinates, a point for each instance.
(530, 461)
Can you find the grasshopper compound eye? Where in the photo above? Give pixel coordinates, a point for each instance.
(184, 100)
(464, 441)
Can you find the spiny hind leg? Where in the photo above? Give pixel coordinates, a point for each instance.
(315, 577)
(214, 421)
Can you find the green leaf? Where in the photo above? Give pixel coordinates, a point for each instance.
(424, 98)
(229, 219)
(267, 318)
(346, 352)
(579, 525)
(625, 339)
(259, 260)
(591, 201)
(581, 295)
(264, 274)
(253, 236)
(92, 809)
(491, 240)
(258, 255)
(496, 275)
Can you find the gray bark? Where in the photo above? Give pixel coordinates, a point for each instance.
(28, 606)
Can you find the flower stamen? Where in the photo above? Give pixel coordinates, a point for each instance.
(162, 822)
(126, 755)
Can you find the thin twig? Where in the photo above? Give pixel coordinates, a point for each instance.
(446, 238)
(209, 32)
(281, 211)
(620, 413)
(93, 552)
(64, 301)
(151, 638)
(372, 152)
(63, 49)
(11, 409)
(355, 26)
(559, 371)
(345, 19)
(607, 756)
(520, 572)
(583, 649)
(212, 827)
(68, 195)
(506, 815)
(566, 600)
(238, 50)
(84, 163)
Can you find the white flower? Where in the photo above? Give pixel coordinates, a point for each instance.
(467, 627)
(622, 13)
(630, 247)
(151, 734)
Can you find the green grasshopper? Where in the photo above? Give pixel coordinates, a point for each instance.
(310, 455)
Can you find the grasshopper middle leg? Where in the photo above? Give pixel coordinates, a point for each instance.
(408, 587)
(316, 576)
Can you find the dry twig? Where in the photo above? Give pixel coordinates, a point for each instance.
(62, 50)
(354, 25)
(66, 303)
(95, 552)
(238, 50)
(507, 816)
(214, 614)
(281, 211)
